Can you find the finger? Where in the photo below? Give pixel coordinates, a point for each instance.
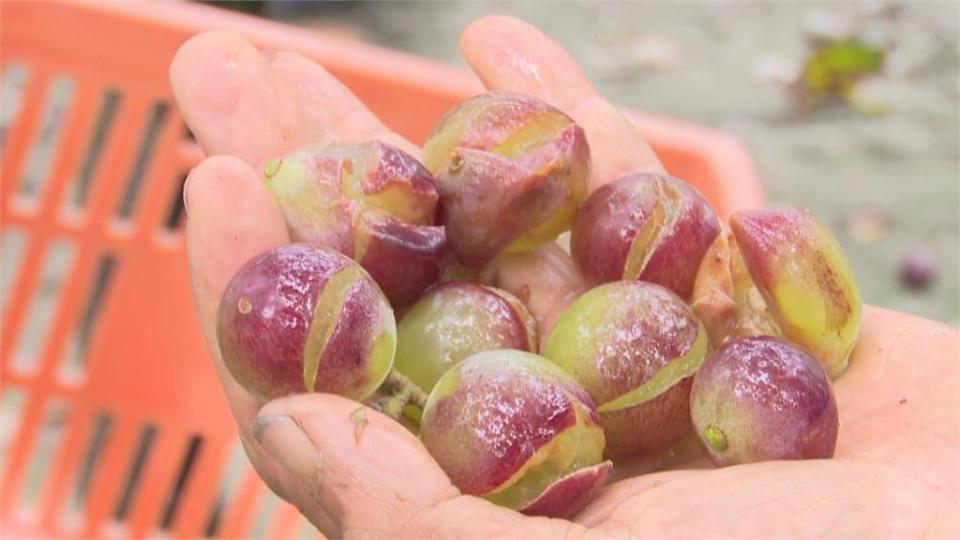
(232, 102)
(509, 54)
(231, 217)
(372, 476)
(242, 102)
(326, 102)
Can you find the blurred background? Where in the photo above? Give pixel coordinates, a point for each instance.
(111, 419)
(849, 108)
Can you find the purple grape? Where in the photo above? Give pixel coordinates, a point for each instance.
(759, 399)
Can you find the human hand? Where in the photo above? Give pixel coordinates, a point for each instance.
(896, 469)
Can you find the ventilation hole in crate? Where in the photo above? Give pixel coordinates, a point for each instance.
(44, 450)
(186, 468)
(141, 164)
(91, 460)
(11, 413)
(13, 82)
(37, 167)
(98, 135)
(147, 436)
(52, 279)
(75, 363)
(228, 485)
(264, 516)
(12, 248)
(175, 210)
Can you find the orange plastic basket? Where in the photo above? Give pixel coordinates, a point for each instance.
(113, 421)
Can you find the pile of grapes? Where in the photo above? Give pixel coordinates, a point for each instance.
(730, 330)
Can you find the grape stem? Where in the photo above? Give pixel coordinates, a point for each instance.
(404, 391)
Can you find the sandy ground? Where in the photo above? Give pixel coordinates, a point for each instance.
(888, 184)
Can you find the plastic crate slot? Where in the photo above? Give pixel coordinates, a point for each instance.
(228, 486)
(186, 468)
(13, 82)
(75, 363)
(88, 466)
(147, 437)
(99, 132)
(142, 160)
(44, 451)
(53, 277)
(264, 516)
(36, 171)
(175, 211)
(13, 246)
(12, 401)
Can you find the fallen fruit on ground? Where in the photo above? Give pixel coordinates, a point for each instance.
(304, 318)
(513, 428)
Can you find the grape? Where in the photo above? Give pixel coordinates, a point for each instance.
(303, 318)
(453, 321)
(511, 171)
(371, 202)
(650, 227)
(513, 428)
(761, 398)
(781, 272)
(634, 347)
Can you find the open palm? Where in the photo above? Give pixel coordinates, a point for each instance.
(897, 465)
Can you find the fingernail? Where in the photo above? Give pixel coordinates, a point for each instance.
(284, 439)
(186, 194)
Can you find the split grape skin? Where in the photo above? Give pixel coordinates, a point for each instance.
(455, 320)
(634, 346)
(761, 398)
(504, 423)
(370, 201)
(302, 318)
(650, 227)
(513, 428)
(511, 171)
(782, 272)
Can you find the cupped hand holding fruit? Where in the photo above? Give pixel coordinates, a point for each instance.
(895, 470)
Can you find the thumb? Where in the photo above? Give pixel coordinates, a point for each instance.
(355, 472)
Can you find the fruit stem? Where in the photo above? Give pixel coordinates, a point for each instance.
(404, 391)
(402, 384)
